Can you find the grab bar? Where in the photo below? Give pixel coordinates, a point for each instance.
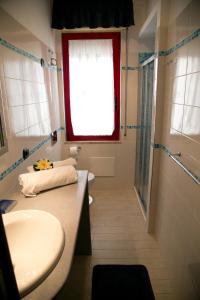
(185, 169)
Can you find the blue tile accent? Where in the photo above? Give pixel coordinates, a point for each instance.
(162, 53)
(54, 68)
(134, 126)
(129, 68)
(166, 150)
(156, 146)
(28, 55)
(162, 147)
(187, 170)
(18, 50)
(180, 44)
(144, 56)
(131, 126)
(21, 160)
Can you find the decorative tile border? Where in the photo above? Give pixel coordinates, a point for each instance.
(38, 146)
(131, 126)
(134, 126)
(18, 50)
(54, 68)
(182, 43)
(129, 68)
(160, 146)
(28, 55)
(142, 56)
(166, 150)
(21, 159)
(145, 55)
(174, 157)
(156, 146)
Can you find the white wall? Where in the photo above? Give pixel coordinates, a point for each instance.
(29, 94)
(177, 214)
(35, 15)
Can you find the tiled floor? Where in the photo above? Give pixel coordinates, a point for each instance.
(118, 237)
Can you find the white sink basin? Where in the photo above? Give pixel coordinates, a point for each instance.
(36, 242)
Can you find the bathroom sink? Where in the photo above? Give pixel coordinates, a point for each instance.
(36, 242)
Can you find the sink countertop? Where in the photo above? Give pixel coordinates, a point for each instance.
(65, 203)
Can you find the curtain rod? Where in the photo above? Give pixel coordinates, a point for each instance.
(99, 29)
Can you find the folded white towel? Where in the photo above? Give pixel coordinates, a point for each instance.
(67, 162)
(33, 183)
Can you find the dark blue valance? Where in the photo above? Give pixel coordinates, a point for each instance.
(71, 14)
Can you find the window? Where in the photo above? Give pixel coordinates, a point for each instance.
(91, 64)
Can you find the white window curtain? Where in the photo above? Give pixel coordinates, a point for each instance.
(91, 87)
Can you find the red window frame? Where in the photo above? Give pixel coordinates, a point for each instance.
(116, 42)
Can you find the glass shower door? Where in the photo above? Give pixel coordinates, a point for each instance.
(143, 140)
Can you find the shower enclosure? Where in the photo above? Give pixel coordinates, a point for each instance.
(143, 139)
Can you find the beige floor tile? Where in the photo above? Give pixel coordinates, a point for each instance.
(119, 236)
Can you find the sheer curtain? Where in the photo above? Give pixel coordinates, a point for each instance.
(91, 86)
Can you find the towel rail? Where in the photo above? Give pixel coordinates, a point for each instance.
(185, 169)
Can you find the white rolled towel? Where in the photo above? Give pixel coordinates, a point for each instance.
(33, 183)
(66, 162)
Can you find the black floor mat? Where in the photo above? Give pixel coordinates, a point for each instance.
(121, 282)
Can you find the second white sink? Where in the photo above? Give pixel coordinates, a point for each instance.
(36, 242)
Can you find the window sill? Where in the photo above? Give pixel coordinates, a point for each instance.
(92, 142)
